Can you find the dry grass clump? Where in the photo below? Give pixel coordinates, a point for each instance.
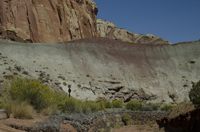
(49, 110)
(181, 109)
(7, 106)
(22, 110)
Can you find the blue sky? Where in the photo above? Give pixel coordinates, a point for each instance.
(174, 20)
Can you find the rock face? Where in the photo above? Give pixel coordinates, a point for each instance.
(47, 21)
(188, 122)
(106, 68)
(109, 30)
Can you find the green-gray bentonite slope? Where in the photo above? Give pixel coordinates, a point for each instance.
(105, 68)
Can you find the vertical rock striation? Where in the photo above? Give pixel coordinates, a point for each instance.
(47, 21)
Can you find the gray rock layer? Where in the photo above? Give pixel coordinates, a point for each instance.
(105, 68)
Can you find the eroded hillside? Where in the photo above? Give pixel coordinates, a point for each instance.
(107, 68)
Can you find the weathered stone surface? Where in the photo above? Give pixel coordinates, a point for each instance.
(106, 68)
(109, 30)
(47, 21)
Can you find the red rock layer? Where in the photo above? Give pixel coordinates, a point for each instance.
(47, 21)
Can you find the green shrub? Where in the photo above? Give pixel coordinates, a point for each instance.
(72, 105)
(194, 94)
(43, 99)
(150, 124)
(126, 118)
(151, 107)
(117, 104)
(1, 105)
(167, 107)
(86, 108)
(93, 106)
(135, 105)
(22, 110)
(117, 126)
(102, 107)
(33, 92)
(108, 104)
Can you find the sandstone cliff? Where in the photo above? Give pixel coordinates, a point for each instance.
(102, 67)
(47, 21)
(109, 30)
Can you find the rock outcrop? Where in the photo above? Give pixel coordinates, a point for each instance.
(109, 30)
(47, 21)
(183, 119)
(106, 68)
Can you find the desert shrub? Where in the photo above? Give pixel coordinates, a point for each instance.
(136, 122)
(154, 106)
(86, 109)
(32, 92)
(150, 124)
(1, 105)
(7, 105)
(135, 105)
(148, 108)
(102, 106)
(167, 107)
(76, 106)
(117, 104)
(151, 107)
(72, 105)
(93, 106)
(22, 110)
(117, 126)
(108, 104)
(194, 94)
(126, 118)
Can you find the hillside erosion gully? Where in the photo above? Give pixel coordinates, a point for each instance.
(92, 122)
(110, 69)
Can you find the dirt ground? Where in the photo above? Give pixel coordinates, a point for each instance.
(27, 123)
(139, 128)
(65, 127)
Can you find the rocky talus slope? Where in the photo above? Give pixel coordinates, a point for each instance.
(47, 21)
(109, 30)
(106, 68)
